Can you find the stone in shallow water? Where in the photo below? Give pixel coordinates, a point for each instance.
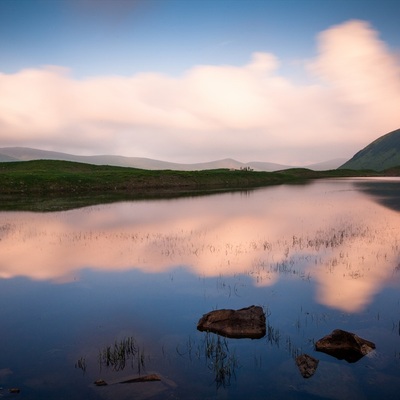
(307, 365)
(247, 322)
(100, 382)
(344, 345)
(146, 378)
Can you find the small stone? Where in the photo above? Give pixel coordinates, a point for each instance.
(307, 365)
(146, 378)
(100, 382)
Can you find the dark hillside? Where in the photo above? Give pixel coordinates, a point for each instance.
(381, 154)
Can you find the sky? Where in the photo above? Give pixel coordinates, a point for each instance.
(293, 82)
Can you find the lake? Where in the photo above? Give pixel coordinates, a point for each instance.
(113, 292)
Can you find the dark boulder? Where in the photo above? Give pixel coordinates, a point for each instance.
(244, 323)
(307, 365)
(344, 345)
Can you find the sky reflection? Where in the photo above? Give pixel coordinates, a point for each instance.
(327, 231)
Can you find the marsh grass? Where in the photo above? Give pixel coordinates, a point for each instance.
(215, 351)
(220, 360)
(117, 355)
(123, 353)
(81, 364)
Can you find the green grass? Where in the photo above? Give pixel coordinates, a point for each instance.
(379, 155)
(62, 176)
(47, 176)
(53, 185)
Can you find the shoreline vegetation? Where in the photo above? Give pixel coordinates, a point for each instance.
(49, 185)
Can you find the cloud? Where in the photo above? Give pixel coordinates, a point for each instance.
(248, 112)
(361, 73)
(349, 259)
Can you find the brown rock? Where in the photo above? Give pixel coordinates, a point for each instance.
(307, 365)
(146, 378)
(244, 323)
(344, 345)
(100, 382)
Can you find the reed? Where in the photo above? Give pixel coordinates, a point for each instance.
(220, 360)
(117, 355)
(81, 364)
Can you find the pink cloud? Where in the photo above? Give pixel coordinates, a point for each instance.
(247, 112)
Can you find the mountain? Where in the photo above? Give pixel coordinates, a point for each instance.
(379, 155)
(26, 154)
(326, 165)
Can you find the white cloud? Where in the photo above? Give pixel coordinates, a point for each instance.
(247, 112)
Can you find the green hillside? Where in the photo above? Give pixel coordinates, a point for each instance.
(381, 154)
(51, 176)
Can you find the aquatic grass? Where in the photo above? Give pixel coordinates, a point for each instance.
(215, 352)
(220, 360)
(81, 364)
(273, 335)
(275, 338)
(294, 255)
(117, 355)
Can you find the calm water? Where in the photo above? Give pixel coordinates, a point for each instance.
(317, 257)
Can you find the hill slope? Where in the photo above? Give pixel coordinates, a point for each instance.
(379, 155)
(28, 154)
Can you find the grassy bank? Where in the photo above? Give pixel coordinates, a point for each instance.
(47, 176)
(43, 181)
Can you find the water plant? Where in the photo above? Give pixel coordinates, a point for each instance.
(116, 356)
(220, 360)
(81, 364)
(214, 350)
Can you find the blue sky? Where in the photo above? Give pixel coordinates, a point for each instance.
(175, 79)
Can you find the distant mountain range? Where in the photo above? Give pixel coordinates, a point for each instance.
(25, 154)
(381, 154)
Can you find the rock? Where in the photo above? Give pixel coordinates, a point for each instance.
(146, 378)
(307, 365)
(244, 323)
(344, 345)
(14, 390)
(100, 382)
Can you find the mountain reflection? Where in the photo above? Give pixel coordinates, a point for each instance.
(385, 192)
(327, 232)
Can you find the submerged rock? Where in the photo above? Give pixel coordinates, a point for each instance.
(344, 345)
(145, 378)
(244, 323)
(307, 365)
(100, 382)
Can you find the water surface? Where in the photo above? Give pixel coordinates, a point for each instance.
(317, 257)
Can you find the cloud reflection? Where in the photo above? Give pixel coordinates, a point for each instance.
(327, 232)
